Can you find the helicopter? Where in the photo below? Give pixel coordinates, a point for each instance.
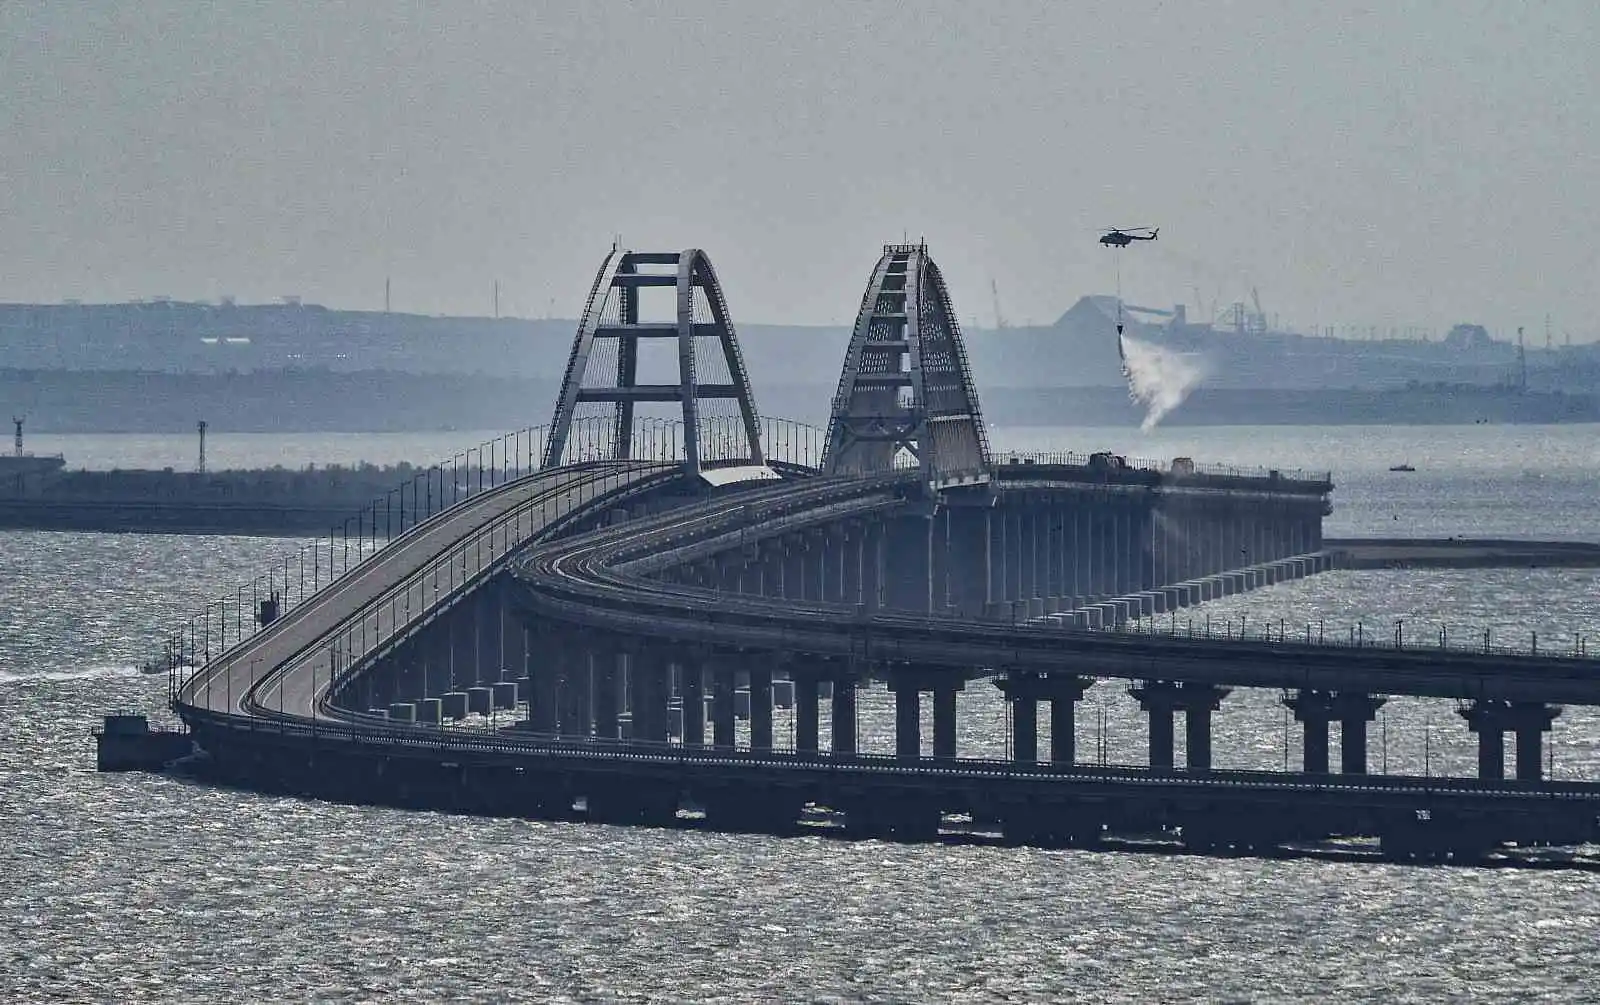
(1121, 237)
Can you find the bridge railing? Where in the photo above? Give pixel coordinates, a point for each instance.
(385, 620)
(485, 736)
(229, 620)
(1070, 458)
(1402, 635)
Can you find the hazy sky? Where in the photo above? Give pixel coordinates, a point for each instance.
(1393, 164)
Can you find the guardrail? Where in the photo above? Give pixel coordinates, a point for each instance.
(1434, 637)
(472, 738)
(232, 619)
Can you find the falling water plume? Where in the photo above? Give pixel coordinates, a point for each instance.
(1158, 378)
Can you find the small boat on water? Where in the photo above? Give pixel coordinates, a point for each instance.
(1402, 467)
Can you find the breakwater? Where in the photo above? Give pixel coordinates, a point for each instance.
(1460, 553)
(264, 501)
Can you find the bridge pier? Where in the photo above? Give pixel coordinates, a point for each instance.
(606, 670)
(544, 684)
(722, 708)
(844, 715)
(806, 719)
(761, 708)
(1024, 690)
(648, 685)
(1492, 718)
(692, 690)
(576, 716)
(1315, 709)
(908, 685)
(1160, 699)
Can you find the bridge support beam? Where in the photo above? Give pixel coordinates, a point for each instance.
(944, 720)
(908, 685)
(722, 707)
(647, 695)
(1160, 699)
(576, 706)
(544, 690)
(908, 564)
(692, 693)
(806, 722)
(1023, 691)
(844, 715)
(606, 670)
(1492, 718)
(761, 708)
(1351, 709)
(907, 721)
(966, 563)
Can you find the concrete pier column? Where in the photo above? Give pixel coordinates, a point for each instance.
(1492, 718)
(722, 708)
(939, 562)
(907, 545)
(694, 702)
(1024, 728)
(1160, 699)
(761, 708)
(1160, 736)
(805, 711)
(607, 670)
(814, 581)
(1064, 726)
(1314, 709)
(794, 568)
(491, 643)
(844, 716)
(1354, 710)
(967, 560)
(1491, 752)
(872, 571)
(1530, 752)
(851, 552)
(1197, 735)
(544, 698)
(944, 720)
(574, 702)
(1024, 689)
(907, 720)
(515, 661)
(647, 696)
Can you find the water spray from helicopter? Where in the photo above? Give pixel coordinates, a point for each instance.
(1158, 379)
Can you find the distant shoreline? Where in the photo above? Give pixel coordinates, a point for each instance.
(378, 401)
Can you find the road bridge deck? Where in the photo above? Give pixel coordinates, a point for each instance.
(284, 670)
(602, 582)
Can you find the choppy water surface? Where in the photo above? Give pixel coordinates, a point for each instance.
(137, 887)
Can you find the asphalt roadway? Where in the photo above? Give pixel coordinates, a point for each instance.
(283, 670)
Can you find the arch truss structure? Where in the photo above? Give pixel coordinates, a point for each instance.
(906, 396)
(622, 362)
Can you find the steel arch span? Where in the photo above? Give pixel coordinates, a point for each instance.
(603, 367)
(906, 395)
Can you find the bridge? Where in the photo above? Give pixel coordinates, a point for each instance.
(596, 618)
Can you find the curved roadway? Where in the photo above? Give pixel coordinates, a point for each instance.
(606, 581)
(286, 669)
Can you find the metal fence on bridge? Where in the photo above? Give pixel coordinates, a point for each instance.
(225, 622)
